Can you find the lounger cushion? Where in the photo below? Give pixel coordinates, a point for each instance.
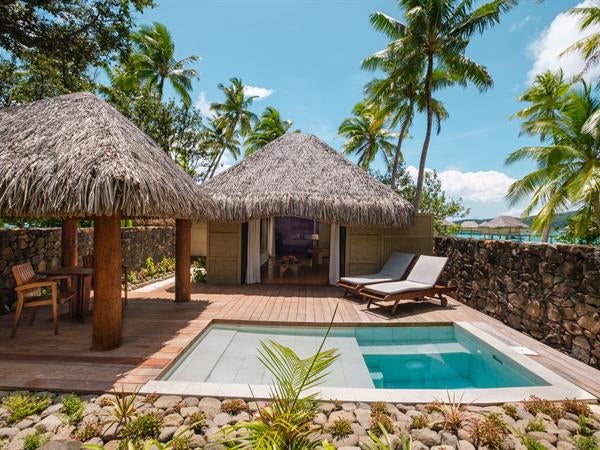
(427, 269)
(397, 287)
(369, 279)
(396, 265)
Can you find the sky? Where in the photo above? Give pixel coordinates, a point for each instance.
(303, 57)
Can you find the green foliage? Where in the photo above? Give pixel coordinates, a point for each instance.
(510, 410)
(166, 265)
(197, 422)
(536, 425)
(234, 407)
(585, 426)
(124, 408)
(287, 421)
(22, 405)
(381, 440)
(419, 421)
(340, 428)
(267, 129)
(87, 432)
(532, 444)
(572, 234)
(150, 266)
(379, 408)
(198, 271)
(34, 441)
(455, 415)
(537, 405)
(576, 407)
(490, 432)
(381, 422)
(586, 443)
(143, 427)
(73, 408)
(132, 277)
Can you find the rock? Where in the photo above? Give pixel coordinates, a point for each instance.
(465, 445)
(24, 433)
(166, 434)
(167, 401)
(257, 405)
(343, 414)
(426, 436)
(94, 441)
(564, 445)
(326, 407)
(51, 423)
(209, 406)
(463, 435)
(416, 445)
(9, 432)
(190, 401)
(448, 439)
(110, 432)
(52, 409)
(111, 445)
(197, 441)
(63, 444)
(348, 441)
(187, 411)
(223, 419)
(442, 447)
(22, 424)
(540, 435)
(15, 444)
(569, 425)
(563, 435)
(348, 406)
(241, 417)
(320, 419)
(363, 417)
(172, 420)
(91, 408)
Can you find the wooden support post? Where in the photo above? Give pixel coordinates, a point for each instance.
(107, 320)
(68, 243)
(183, 236)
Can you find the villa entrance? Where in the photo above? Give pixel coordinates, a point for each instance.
(298, 252)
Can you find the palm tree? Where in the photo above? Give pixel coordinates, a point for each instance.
(217, 141)
(590, 45)
(400, 94)
(267, 129)
(547, 99)
(438, 31)
(234, 115)
(569, 168)
(366, 134)
(154, 61)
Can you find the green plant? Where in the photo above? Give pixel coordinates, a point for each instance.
(73, 408)
(287, 421)
(197, 422)
(510, 410)
(585, 426)
(166, 265)
(22, 405)
(537, 405)
(532, 444)
(337, 405)
(576, 407)
(536, 425)
(381, 421)
(87, 432)
(34, 441)
(340, 428)
(150, 266)
(455, 415)
(181, 442)
(132, 277)
(141, 428)
(489, 431)
(383, 441)
(379, 408)
(124, 408)
(586, 443)
(419, 421)
(198, 272)
(234, 407)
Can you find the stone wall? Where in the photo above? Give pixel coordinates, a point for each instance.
(551, 292)
(41, 247)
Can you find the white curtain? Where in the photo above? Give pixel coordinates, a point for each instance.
(271, 238)
(253, 266)
(334, 253)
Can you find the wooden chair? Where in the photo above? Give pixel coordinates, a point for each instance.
(88, 261)
(30, 295)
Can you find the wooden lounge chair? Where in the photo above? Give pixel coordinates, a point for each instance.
(420, 283)
(30, 295)
(394, 269)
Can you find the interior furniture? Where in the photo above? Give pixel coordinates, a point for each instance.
(81, 283)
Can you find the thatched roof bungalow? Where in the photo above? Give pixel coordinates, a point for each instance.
(76, 156)
(299, 196)
(505, 225)
(469, 225)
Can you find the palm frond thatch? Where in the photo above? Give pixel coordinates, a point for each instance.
(76, 156)
(505, 222)
(301, 176)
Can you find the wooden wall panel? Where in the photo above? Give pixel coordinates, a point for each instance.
(368, 248)
(199, 238)
(224, 253)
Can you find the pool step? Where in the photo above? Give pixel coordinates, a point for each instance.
(377, 378)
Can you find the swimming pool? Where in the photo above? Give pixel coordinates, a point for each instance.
(392, 363)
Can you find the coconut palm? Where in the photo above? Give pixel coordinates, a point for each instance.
(154, 61)
(267, 129)
(233, 114)
(569, 167)
(366, 134)
(439, 31)
(218, 142)
(547, 99)
(589, 46)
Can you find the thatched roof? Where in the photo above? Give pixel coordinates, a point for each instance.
(506, 222)
(301, 176)
(469, 224)
(75, 155)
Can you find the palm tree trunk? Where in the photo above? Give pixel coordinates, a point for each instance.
(399, 146)
(217, 161)
(546, 231)
(161, 86)
(423, 160)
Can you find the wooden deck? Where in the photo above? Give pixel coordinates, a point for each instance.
(156, 330)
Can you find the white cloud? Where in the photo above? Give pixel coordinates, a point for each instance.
(203, 105)
(481, 186)
(554, 40)
(518, 25)
(255, 91)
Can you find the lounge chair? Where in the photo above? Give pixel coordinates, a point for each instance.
(420, 282)
(393, 270)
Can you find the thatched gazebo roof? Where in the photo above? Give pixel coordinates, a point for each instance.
(506, 222)
(301, 176)
(77, 156)
(469, 224)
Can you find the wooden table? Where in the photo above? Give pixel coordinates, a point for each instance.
(81, 283)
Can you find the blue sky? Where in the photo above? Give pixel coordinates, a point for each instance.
(303, 57)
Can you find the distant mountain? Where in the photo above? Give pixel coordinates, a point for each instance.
(560, 220)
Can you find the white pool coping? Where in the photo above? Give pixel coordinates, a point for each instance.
(558, 388)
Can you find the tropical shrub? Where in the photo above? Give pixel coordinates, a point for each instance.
(198, 272)
(576, 407)
(150, 266)
(419, 421)
(34, 441)
(586, 443)
(381, 422)
(340, 428)
(532, 444)
(197, 422)
(537, 405)
(141, 428)
(536, 425)
(510, 410)
(489, 432)
(22, 405)
(72, 408)
(234, 407)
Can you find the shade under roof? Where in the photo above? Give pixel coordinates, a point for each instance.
(301, 176)
(77, 156)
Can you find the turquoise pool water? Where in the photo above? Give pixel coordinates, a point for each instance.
(422, 357)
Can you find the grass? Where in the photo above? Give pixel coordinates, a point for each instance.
(34, 441)
(22, 405)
